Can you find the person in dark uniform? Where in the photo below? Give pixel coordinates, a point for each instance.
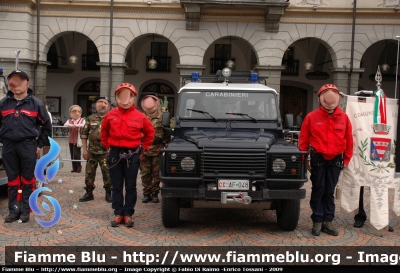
(95, 153)
(327, 134)
(124, 132)
(24, 129)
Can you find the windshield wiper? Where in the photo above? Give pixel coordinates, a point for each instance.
(242, 115)
(202, 112)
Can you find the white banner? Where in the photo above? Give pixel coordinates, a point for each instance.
(373, 162)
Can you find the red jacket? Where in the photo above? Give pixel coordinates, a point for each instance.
(126, 129)
(329, 135)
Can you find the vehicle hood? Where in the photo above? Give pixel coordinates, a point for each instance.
(229, 138)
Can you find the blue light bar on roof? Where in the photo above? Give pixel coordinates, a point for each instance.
(253, 77)
(195, 77)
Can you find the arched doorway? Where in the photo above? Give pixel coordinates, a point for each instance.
(293, 100)
(87, 92)
(163, 90)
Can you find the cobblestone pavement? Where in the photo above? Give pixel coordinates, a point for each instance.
(88, 224)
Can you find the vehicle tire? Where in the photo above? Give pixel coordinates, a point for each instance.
(170, 212)
(288, 213)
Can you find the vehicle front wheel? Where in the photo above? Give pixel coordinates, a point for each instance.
(288, 213)
(170, 211)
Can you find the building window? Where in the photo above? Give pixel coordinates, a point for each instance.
(87, 92)
(222, 54)
(159, 51)
(89, 60)
(291, 65)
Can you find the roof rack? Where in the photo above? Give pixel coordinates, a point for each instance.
(235, 75)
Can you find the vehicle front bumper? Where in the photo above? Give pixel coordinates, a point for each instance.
(202, 193)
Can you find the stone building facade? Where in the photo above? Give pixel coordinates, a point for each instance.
(275, 38)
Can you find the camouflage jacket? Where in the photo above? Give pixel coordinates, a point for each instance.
(91, 131)
(161, 136)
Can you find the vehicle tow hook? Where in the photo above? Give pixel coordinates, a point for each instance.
(235, 197)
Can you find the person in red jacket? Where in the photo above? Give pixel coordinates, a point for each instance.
(327, 134)
(125, 133)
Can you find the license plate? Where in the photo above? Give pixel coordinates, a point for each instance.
(232, 184)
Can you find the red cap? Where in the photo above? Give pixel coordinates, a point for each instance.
(126, 85)
(328, 86)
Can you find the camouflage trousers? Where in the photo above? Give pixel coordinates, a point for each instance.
(149, 167)
(91, 168)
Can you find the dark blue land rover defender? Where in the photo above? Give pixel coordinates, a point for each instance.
(228, 151)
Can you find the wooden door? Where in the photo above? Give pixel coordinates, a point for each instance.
(293, 100)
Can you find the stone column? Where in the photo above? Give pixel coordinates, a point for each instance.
(187, 69)
(41, 76)
(341, 79)
(274, 76)
(116, 75)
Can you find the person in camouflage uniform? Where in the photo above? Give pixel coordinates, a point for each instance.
(95, 153)
(149, 162)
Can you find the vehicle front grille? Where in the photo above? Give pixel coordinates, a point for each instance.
(234, 161)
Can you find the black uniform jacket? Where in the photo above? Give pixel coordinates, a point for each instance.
(24, 119)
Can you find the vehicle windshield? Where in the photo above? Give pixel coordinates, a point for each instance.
(227, 105)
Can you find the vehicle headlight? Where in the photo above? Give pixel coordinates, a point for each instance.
(278, 165)
(187, 164)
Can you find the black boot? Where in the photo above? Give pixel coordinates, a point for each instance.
(14, 206)
(108, 197)
(12, 217)
(154, 198)
(24, 217)
(316, 228)
(87, 197)
(329, 228)
(26, 193)
(146, 198)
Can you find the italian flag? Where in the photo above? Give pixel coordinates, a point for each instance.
(380, 107)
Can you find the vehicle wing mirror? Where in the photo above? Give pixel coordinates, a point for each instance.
(166, 119)
(288, 121)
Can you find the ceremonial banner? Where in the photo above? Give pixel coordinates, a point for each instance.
(374, 122)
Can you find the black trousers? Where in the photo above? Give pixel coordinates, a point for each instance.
(123, 172)
(19, 160)
(75, 152)
(361, 215)
(324, 178)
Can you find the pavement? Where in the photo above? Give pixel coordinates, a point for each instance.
(88, 224)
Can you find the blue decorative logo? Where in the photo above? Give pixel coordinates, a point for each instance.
(57, 209)
(42, 163)
(45, 178)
